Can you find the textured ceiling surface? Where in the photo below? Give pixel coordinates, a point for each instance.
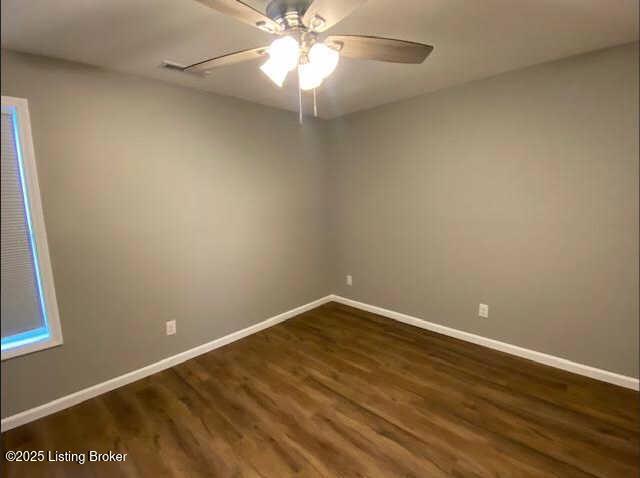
(473, 39)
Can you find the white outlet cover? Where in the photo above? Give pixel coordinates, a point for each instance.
(349, 280)
(171, 327)
(483, 311)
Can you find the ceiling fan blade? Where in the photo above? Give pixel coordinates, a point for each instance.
(323, 14)
(243, 12)
(380, 49)
(226, 60)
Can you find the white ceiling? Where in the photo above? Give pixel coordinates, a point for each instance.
(472, 38)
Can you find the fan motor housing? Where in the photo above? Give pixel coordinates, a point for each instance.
(288, 13)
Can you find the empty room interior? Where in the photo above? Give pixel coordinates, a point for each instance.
(320, 238)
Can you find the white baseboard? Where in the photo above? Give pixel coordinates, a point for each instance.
(546, 359)
(80, 396)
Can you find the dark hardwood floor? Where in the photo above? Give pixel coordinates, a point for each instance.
(337, 392)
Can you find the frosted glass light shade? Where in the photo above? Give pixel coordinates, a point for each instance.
(276, 72)
(310, 76)
(324, 58)
(285, 52)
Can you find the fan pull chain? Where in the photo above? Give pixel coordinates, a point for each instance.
(315, 103)
(299, 98)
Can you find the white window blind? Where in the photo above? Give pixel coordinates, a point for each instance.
(21, 309)
(28, 305)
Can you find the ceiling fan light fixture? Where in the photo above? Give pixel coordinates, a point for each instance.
(275, 72)
(324, 58)
(300, 23)
(310, 76)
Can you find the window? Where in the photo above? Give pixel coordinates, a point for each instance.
(30, 319)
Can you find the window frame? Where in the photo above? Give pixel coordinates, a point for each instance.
(50, 335)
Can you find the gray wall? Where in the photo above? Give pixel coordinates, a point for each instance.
(519, 191)
(161, 203)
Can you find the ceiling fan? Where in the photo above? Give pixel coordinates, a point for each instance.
(301, 45)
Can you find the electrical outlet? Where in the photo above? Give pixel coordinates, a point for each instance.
(171, 327)
(349, 280)
(483, 311)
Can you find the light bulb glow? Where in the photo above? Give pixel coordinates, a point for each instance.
(310, 76)
(275, 72)
(285, 52)
(324, 58)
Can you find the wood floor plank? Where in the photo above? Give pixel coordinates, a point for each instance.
(338, 392)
